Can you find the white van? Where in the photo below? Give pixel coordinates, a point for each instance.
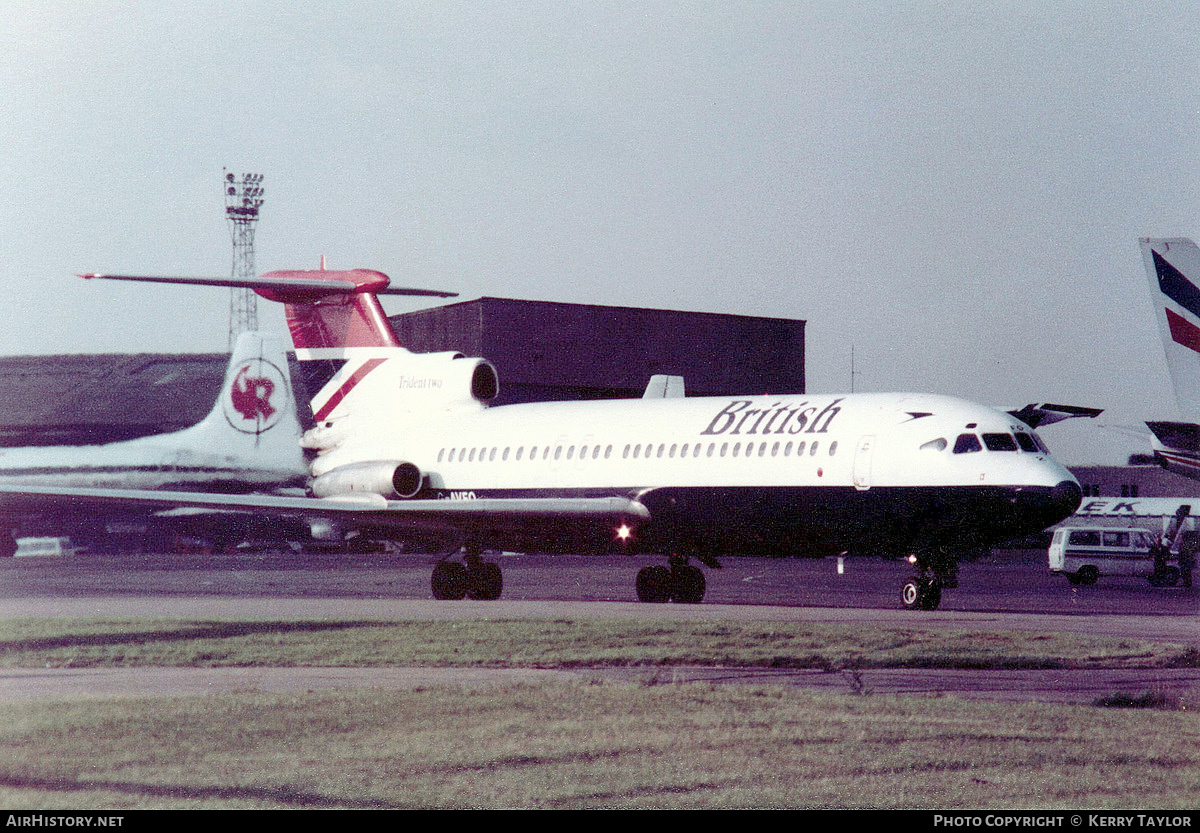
(1084, 554)
(45, 546)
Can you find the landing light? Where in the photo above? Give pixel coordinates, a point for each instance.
(624, 532)
(912, 559)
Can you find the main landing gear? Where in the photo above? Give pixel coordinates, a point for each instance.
(474, 578)
(681, 582)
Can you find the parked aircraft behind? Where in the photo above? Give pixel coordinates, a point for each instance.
(1173, 267)
(406, 444)
(249, 441)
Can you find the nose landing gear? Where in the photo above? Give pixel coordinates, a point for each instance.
(936, 569)
(921, 593)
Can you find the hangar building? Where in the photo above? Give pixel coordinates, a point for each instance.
(541, 350)
(550, 351)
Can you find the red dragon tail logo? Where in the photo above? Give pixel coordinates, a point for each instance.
(249, 407)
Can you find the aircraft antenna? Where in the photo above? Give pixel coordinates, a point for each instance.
(243, 198)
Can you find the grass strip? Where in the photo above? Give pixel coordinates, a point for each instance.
(565, 643)
(591, 745)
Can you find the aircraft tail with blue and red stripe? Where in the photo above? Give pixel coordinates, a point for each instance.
(1173, 268)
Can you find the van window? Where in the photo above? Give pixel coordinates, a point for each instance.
(1115, 539)
(1085, 537)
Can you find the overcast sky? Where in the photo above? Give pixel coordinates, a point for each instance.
(952, 190)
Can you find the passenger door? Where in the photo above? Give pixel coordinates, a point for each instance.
(862, 462)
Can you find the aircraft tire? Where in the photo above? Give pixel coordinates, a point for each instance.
(1169, 577)
(654, 584)
(921, 594)
(449, 580)
(933, 595)
(486, 581)
(687, 584)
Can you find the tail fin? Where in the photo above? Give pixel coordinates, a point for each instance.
(254, 419)
(337, 324)
(333, 319)
(1173, 267)
(326, 309)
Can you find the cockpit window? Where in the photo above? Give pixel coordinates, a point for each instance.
(999, 442)
(1027, 444)
(935, 445)
(967, 443)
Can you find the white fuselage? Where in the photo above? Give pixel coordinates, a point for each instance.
(698, 442)
(826, 472)
(159, 462)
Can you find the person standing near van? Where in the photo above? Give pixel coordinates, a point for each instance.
(1188, 545)
(1160, 552)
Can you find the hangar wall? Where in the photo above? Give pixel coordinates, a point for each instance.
(552, 351)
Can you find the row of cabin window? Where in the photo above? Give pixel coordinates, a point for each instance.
(471, 455)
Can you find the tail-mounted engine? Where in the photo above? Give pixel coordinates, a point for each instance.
(391, 386)
(475, 377)
(379, 477)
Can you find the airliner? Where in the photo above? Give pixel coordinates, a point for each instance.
(1169, 262)
(407, 445)
(249, 441)
(1175, 297)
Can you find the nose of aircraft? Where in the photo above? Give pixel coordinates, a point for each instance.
(1065, 498)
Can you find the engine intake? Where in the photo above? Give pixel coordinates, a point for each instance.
(381, 477)
(485, 383)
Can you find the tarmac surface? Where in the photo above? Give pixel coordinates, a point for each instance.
(1008, 591)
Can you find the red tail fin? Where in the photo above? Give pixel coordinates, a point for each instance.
(334, 318)
(325, 309)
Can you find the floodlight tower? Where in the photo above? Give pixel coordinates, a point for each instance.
(243, 197)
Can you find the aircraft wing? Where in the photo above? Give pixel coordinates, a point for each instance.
(417, 517)
(1037, 415)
